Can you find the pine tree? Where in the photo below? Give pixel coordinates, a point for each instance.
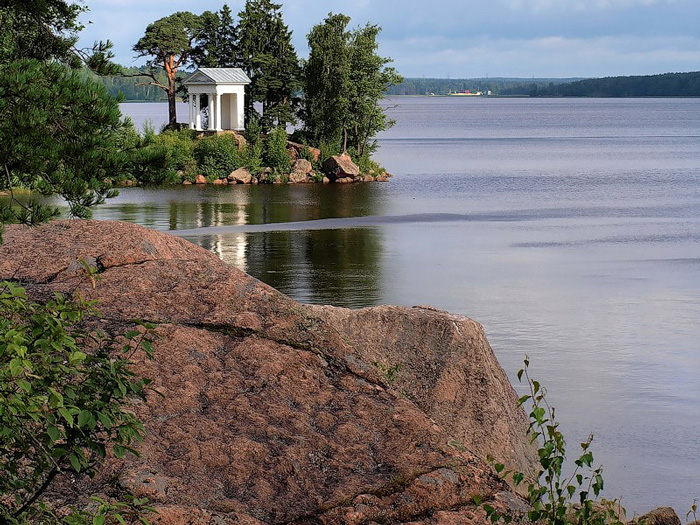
(171, 42)
(266, 54)
(217, 44)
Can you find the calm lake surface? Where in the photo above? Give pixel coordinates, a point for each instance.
(569, 228)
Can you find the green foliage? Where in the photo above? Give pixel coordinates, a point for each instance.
(556, 498)
(366, 164)
(265, 52)
(275, 154)
(692, 512)
(328, 150)
(254, 147)
(170, 42)
(369, 79)
(217, 45)
(665, 85)
(48, 30)
(64, 392)
(58, 135)
(390, 373)
(179, 150)
(327, 81)
(344, 81)
(217, 156)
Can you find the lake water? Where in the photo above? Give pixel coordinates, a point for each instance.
(569, 228)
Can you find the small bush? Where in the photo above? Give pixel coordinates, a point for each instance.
(328, 150)
(557, 498)
(64, 396)
(217, 156)
(253, 154)
(275, 153)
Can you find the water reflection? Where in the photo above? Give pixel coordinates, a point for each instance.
(340, 267)
(184, 208)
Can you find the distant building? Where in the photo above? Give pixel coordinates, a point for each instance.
(225, 90)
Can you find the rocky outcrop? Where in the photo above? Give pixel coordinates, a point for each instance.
(267, 411)
(297, 151)
(659, 516)
(341, 167)
(444, 364)
(240, 176)
(300, 171)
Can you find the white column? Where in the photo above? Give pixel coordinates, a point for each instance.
(212, 116)
(191, 106)
(218, 111)
(240, 111)
(197, 113)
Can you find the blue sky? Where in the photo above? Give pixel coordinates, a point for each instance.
(467, 38)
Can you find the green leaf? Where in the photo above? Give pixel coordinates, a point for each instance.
(105, 420)
(53, 433)
(75, 462)
(498, 467)
(98, 520)
(66, 415)
(84, 418)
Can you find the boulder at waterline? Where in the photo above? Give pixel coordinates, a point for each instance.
(266, 413)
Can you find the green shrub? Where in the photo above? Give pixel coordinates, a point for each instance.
(217, 156)
(64, 393)
(556, 498)
(253, 154)
(366, 164)
(275, 153)
(328, 150)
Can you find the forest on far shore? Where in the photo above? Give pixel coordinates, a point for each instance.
(664, 85)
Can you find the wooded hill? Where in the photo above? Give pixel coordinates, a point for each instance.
(664, 85)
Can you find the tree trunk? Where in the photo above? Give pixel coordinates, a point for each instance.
(171, 71)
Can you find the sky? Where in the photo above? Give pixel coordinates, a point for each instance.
(467, 38)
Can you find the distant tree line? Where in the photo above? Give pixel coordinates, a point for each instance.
(131, 87)
(445, 86)
(664, 85)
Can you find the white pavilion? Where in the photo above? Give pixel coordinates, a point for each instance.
(225, 90)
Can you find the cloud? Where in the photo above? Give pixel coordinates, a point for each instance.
(469, 38)
(554, 56)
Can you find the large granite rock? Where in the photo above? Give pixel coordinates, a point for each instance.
(240, 176)
(444, 364)
(659, 516)
(267, 411)
(340, 167)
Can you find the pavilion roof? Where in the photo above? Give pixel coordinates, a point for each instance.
(218, 75)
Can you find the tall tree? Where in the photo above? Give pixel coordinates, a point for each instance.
(57, 128)
(344, 81)
(171, 43)
(217, 44)
(265, 52)
(327, 81)
(369, 80)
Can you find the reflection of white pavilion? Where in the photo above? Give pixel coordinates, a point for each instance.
(225, 89)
